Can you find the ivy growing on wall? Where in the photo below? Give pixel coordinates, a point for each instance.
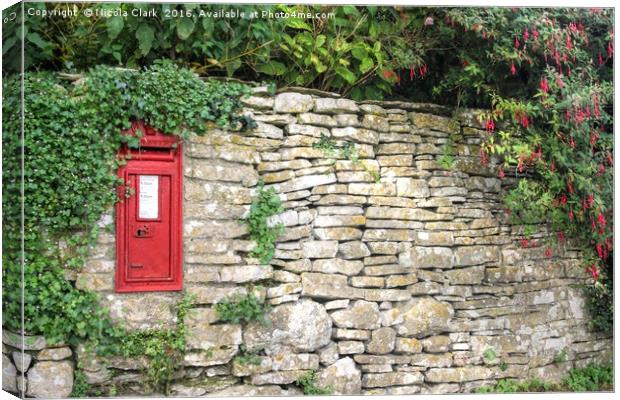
(72, 132)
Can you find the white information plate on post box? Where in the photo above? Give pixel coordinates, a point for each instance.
(149, 197)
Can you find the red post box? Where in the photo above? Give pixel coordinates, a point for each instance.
(149, 235)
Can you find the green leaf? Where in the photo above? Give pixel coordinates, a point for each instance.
(185, 27)
(38, 41)
(366, 65)
(115, 26)
(297, 23)
(346, 74)
(145, 35)
(273, 68)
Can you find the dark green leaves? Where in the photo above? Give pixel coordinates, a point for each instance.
(145, 35)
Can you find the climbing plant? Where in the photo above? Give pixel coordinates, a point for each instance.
(72, 132)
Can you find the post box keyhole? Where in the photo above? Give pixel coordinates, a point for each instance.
(144, 231)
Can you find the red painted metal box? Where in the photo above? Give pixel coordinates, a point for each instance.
(149, 215)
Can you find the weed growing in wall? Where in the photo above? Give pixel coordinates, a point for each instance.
(308, 385)
(266, 204)
(347, 150)
(240, 309)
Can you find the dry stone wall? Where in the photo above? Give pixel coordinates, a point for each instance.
(408, 284)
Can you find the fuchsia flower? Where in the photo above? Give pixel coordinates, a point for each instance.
(490, 125)
(544, 85)
(594, 272)
(513, 69)
(601, 220)
(501, 173)
(524, 243)
(548, 252)
(561, 236)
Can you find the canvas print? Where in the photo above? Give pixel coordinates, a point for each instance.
(210, 199)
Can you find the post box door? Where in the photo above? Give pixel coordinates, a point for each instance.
(149, 225)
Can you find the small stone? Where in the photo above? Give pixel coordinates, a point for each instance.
(335, 106)
(426, 238)
(432, 360)
(328, 354)
(391, 379)
(474, 255)
(22, 360)
(28, 343)
(9, 375)
(293, 103)
(408, 345)
(50, 379)
(328, 286)
(400, 280)
(426, 257)
(376, 123)
(303, 325)
(436, 344)
(351, 334)
(462, 374)
(424, 316)
(337, 304)
(291, 361)
(408, 187)
(360, 135)
(362, 315)
(320, 249)
(343, 377)
(317, 119)
(353, 250)
(337, 266)
(374, 189)
(277, 378)
(350, 347)
(382, 342)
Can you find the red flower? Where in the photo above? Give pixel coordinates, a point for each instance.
(599, 250)
(526, 34)
(548, 252)
(601, 220)
(513, 69)
(601, 170)
(553, 166)
(501, 173)
(594, 272)
(524, 243)
(490, 125)
(571, 215)
(535, 33)
(563, 199)
(590, 200)
(561, 236)
(600, 59)
(483, 155)
(544, 85)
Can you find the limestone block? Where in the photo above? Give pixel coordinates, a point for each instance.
(293, 103)
(391, 379)
(408, 187)
(320, 249)
(474, 255)
(328, 286)
(50, 379)
(350, 347)
(335, 106)
(426, 257)
(382, 342)
(424, 316)
(353, 250)
(361, 315)
(461, 374)
(343, 377)
(337, 266)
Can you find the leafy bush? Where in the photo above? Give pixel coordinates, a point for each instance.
(239, 309)
(267, 204)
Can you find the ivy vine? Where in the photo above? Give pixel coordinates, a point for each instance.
(72, 133)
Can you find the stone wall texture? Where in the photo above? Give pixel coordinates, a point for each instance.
(411, 284)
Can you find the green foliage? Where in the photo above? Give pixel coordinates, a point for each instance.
(503, 366)
(308, 385)
(80, 385)
(72, 133)
(246, 357)
(353, 50)
(266, 205)
(561, 357)
(600, 305)
(346, 150)
(164, 349)
(446, 160)
(489, 354)
(240, 309)
(592, 378)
